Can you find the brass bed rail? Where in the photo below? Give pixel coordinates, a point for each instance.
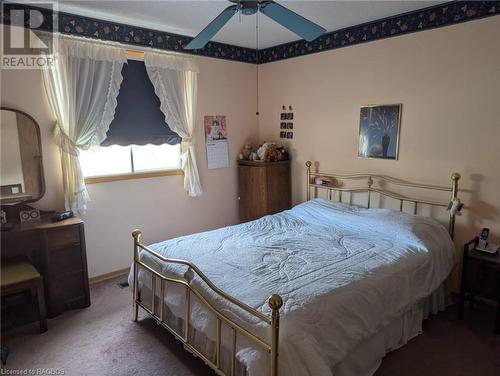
(368, 188)
(275, 302)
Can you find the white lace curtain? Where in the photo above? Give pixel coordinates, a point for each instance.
(175, 80)
(81, 88)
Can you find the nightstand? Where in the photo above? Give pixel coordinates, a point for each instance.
(480, 276)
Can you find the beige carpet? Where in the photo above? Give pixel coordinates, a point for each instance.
(102, 340)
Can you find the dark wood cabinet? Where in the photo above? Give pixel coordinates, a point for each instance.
(57, 249)
(264, 188)
(480, 276)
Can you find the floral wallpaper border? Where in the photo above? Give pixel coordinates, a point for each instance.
(429, 18)
(437, 16)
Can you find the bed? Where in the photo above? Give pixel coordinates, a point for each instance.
(329, 286)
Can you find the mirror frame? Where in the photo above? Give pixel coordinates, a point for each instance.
(42, 173)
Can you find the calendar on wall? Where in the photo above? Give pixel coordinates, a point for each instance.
(216, 141)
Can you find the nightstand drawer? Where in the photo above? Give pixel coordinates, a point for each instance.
(482, 278)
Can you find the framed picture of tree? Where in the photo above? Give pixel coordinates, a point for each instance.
(379, 131)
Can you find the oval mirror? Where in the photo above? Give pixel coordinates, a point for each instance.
(21, 174)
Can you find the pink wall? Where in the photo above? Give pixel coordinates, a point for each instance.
(448, 80)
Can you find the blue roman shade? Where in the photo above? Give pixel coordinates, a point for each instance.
(138, 118)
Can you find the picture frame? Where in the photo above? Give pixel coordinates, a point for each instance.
(379, 129)
(289, 126)
(283, 125)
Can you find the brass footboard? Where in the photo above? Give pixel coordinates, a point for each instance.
(275, 302)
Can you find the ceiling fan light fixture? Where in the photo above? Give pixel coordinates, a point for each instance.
(292, 21)
(247, 8)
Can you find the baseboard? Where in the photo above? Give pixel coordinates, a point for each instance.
(105, 277)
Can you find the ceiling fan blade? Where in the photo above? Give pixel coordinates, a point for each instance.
(301, 26)
(212, 28)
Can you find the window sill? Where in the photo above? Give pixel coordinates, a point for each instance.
(132, 175)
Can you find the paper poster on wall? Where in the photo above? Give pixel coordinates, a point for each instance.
(216, 142)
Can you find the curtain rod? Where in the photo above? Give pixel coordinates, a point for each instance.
(132, 51)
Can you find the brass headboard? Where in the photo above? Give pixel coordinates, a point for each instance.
(368, 188)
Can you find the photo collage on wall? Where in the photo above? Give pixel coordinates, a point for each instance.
(286, 122)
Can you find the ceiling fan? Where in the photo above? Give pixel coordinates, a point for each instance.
(297, 24)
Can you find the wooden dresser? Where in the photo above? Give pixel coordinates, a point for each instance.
(264, 188)
(57, 249)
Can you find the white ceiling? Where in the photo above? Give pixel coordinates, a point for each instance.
(188, 17)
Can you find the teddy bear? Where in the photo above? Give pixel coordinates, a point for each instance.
(246, 152)
(272, 153)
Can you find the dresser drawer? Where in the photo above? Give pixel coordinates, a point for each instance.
(66, 291)
(20, 244)
(67, 285)
(63, 237)
(483, 278)
(65, 260)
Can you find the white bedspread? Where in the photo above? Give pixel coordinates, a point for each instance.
(343, 272)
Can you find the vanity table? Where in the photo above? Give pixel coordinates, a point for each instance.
(55, 248)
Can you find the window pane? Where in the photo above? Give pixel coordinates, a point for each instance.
(156, 157)
(110, 160)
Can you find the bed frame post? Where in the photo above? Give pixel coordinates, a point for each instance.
(455, 177)
(136, 234)
(275, 302)
(308, 182)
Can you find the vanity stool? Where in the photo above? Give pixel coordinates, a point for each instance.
(18, 275)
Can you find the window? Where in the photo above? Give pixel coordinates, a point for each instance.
(138, 141)
(116, 159)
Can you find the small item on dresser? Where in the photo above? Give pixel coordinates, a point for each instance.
(246, 151)
(272, 153)
(269, 152)
(262, 150)
(266, 152)
(283, 154)
(29, 215)
(61, 216)
(7, 226)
